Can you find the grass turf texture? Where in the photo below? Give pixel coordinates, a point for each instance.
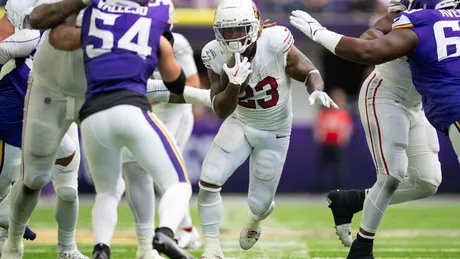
(298, 228)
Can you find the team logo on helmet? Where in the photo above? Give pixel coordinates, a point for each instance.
(256, 10)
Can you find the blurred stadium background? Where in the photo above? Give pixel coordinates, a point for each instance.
(309, 167)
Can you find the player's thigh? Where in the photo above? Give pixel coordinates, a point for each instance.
(228, 151)
(387, 134)
(102, 152)
(155, 149)
(43, 128)
(422, 153)
(266, 165)
(181, 128)
(454, 135)
(10, 161)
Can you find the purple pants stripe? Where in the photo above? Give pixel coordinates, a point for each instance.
(168, 144)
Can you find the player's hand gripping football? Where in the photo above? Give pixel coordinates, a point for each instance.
(319, 97)
(305, 23)
(238, 73)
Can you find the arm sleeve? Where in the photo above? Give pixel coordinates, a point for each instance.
(20, 44)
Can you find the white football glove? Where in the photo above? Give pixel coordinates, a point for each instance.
(240, 71)
(305, 23)
(318, 97)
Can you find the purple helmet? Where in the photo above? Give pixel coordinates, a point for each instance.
(429, 4)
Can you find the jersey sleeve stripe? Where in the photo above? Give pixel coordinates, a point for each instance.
(287, 37)
(403, 26)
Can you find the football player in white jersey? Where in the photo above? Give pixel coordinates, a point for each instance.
(403, 144)
(56, 89)
(408, 152)
(178, 119)
(258, 121)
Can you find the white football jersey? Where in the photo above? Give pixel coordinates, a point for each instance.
(397, 73)
(64, 71)
(183, 53)
(266, 104)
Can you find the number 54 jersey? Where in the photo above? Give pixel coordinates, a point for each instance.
(266, 103)
(435, 63)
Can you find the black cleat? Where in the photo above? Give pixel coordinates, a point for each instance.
(29, 234)
(338, 201)
(168, 246)
(344, 204)
(101, 251)
(361, 250)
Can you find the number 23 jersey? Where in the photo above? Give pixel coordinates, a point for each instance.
(435, 62)
(266, 104)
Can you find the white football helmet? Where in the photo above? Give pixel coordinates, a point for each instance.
(236, 24)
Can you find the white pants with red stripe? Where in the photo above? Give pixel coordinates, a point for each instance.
(400, 138)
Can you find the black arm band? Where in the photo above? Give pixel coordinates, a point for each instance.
(177, 86)
(168, 35)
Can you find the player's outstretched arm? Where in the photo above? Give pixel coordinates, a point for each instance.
(394, 45)
(224, 99)
(47, 16)
(66, 36)
(170, 70)
(158, 92)
(380, 28)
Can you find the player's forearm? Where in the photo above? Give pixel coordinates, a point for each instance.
(47, 16)
(65, 37)
(314, 82)
(225, 102)
(157, 91)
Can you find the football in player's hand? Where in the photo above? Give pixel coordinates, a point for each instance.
(224, 78)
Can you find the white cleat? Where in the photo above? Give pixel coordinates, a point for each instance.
(344, 233)
(148, 254)
(70, 252)
(188, 239)
(12, 251)
(3, 237)
(212, 255)
(248, 237)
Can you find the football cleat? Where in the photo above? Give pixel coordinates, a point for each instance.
(337, 200)
(101, 251)
(169, 247)
(12, 251)
(248, 237)
(188, 238)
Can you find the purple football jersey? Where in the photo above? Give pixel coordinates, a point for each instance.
(121, 45)
(435, 63)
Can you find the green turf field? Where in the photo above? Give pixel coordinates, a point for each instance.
(298, 228)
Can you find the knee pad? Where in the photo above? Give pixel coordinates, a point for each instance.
(208, 196)
(214, 166)
(67, 194)
(67, 147)
(262, 209)
(267, 165)
(37, 181)
(387, 182)
(43, 141)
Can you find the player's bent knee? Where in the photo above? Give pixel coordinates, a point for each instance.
(43, 143)
(261, 208)
(209, 187)
(67, 194)
(37, 182)
(211, 173)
